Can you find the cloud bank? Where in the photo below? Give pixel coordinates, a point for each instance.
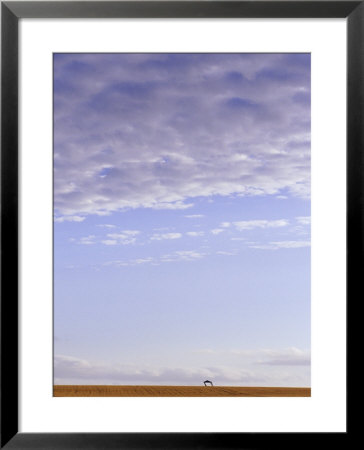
(72, 370)
(159, 130)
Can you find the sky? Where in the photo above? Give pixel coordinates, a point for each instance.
(182, 219)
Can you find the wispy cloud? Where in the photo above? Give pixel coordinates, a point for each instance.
(69, 219)
(161, 237)
(106, 225)
(109, 242)
(184, 255)
(194, 216)
(225, 253)
(87, 240)
(169, 205)
(251, 224)
(195, 233)
(225, 224)
(304, 220)
(126, 237)
(216, 231)
(131, 262)
(180, 255)
(281, 244)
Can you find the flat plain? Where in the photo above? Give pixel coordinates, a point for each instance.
(177, 391)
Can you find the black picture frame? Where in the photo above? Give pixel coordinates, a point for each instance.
(11, 12)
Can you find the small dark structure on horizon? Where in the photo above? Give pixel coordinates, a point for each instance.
(206, 382)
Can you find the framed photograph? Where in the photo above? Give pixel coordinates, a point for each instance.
(181, 221)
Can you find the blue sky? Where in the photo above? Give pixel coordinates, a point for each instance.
(182, 219)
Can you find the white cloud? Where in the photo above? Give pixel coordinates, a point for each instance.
(281, 244)
(131, 262)
(304, 220)
(106, 225)
(69, 219)
(126, 237)
(160, 237)
(194, 216)
(177, 256)
(189, 255)
(291, 244)
(182, 255)
(109, 242)
(125, 234)
(87, 240)
(174, 204)
(143, 260)
(217, 231)
(251, 224)
(131, 232)
(195, 233)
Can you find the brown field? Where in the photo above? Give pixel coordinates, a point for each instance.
(177, 391)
